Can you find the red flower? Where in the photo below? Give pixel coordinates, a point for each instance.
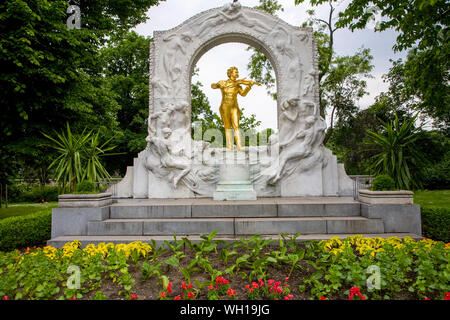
(447, 296)
(177, 297)
(191, 295)
(286, 279)
(427, 298)
(133, 296)
(354, 290)
(190, 286)
(162, 295)
(323, 298)
(247, 286)
(231, 292)
(211, 287)
(5, 298)
(73, 298)
(183, 285)
(169, 288)
(270, 282)
(289, 297)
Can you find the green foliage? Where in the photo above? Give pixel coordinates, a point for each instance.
(344, 85)
(27, 193)
(435, 222)
(52, 75)
(397, 155)
(79, 157)
(423, 28)
(383, 182)
(25, 231)
(125, 64)
(85, 186)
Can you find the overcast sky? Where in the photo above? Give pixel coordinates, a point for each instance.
(214, 63)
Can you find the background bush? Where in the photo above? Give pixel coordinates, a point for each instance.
(28, 193)
(383, 182)
(25, 231)
(435, 223)
(85, 186)
(437, 176)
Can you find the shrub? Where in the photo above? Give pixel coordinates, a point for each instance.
(383, 182)
(25, 231)
(435, 222)
(436, 176)
(26, 193)
(85, 187)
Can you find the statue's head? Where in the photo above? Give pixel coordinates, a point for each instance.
(310, 121)
(166, 132)
(233, 72)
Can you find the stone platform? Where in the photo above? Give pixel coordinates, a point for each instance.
(142, 220)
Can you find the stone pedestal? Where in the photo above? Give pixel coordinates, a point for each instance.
(235, 182)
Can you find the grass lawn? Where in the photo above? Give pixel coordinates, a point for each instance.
(21, 209)
(436, 198)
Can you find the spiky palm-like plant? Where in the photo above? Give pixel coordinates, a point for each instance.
(397, 155)
(78, 157)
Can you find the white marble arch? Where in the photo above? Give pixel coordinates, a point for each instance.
(303, 166)
(174, 53)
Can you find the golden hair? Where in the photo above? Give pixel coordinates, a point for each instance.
(231, 70)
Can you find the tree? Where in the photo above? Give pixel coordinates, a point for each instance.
(125, 64)
(51, 74)
(423, 27)
(397, 154)
(345, 85)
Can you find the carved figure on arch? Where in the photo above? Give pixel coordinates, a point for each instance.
(176, 48)
(161, 119)
(296, 151)
(230, 12)
(169, 160)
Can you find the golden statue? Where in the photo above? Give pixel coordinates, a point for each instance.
(229, 108)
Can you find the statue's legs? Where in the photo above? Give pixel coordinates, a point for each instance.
(235, 115)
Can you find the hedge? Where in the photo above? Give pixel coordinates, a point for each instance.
(436, 223)
(26, 193)
(25, 231)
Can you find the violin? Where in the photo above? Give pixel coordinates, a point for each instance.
(247, 82)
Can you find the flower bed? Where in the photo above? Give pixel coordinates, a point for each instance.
(250, 269)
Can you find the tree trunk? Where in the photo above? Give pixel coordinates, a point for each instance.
(330, 130)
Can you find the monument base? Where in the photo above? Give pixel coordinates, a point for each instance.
(235, 183)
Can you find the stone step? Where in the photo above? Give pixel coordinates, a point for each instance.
(58, 242)
(235, 226)
(231, 209)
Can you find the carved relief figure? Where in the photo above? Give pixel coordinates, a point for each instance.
(288, 116)
(168, 159)
(308, 84)
(175, 48)
(296, 151)
(229, 108)
(285, 47)
(180, 115)
(230, 12)
(161, 119)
